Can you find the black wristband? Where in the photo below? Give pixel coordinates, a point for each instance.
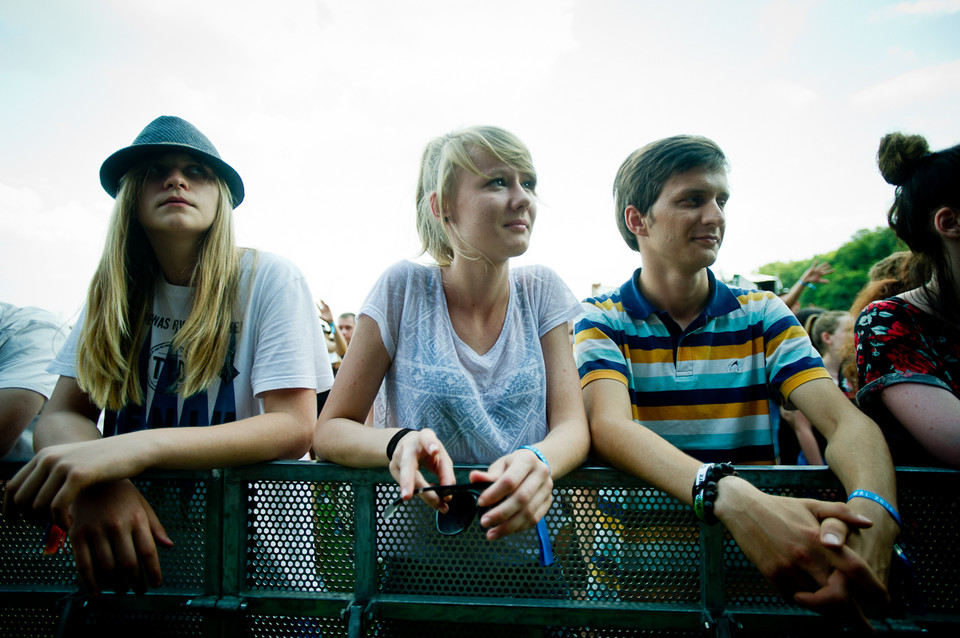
(392, 445)
(705, 489)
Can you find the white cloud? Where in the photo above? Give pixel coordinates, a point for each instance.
(16, 203)
(897, 53)
(795, 94)
(918, 8)
(917, 86)
(781, 24)
(47, 253)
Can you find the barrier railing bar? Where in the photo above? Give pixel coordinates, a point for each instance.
(231, 545)
(538, 612)
(712, 581)
(227, 597)
(365, 541)
(215, 539)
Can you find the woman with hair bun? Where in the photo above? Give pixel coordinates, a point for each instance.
(908, 346)
(198, 353)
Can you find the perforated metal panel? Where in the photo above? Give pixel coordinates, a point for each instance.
(300, 536)
(420, 629)
(416, 559)
(22, 559)
(931, 536)
(410, 629)
(745, 585)
(290, 627)
(27, 621)
(638, 545)
(142, 625)
(181, 507)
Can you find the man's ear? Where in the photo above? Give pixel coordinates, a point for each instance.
(637, 223)
(947, 222)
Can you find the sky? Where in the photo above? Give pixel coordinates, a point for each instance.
(324, 108)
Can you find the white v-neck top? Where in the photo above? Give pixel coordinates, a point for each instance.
(482, 406)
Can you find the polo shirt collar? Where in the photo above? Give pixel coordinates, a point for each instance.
(722, 300)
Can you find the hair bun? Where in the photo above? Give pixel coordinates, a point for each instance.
(898, 156)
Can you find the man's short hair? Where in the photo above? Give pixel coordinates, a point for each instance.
(642, 175)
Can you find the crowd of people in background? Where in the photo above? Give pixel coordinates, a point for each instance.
(191, 352)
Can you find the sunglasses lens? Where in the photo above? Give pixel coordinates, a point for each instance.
(462, 508)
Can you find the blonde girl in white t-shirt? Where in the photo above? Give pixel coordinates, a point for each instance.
(437, 339)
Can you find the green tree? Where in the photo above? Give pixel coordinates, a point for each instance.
(850, 262)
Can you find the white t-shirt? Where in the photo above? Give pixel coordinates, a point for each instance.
(279, 345)
(481, 406)
(29, 339)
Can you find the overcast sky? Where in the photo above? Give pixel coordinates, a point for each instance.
(324, 108)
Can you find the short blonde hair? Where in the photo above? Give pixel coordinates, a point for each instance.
(442, 157)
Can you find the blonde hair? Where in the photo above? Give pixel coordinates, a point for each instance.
(120, 301)
(825, 322)
(442, 157)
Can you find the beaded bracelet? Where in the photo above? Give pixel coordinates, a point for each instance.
(876, 498)
(705, 489)
(539, 455)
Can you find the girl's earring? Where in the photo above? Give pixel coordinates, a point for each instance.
(446, 220)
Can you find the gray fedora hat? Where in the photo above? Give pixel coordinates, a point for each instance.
(165, 134)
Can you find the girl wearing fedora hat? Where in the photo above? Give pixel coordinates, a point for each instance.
(180, 328)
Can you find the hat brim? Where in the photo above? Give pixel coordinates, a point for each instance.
(118, 164)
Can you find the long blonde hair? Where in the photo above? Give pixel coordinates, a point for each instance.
(120, 301)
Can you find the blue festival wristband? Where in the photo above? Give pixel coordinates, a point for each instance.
(876, 498)
(539, 455)
(546, 550)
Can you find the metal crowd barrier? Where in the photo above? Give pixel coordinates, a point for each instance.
(302, 549)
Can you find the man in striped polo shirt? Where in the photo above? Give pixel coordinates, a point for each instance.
(677, 369)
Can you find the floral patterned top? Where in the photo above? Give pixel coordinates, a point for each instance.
(899, 343)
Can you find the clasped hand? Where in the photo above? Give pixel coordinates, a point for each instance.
(801, 546)
(48, 484)
(83, 488)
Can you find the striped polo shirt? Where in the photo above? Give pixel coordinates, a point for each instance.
(705, 389)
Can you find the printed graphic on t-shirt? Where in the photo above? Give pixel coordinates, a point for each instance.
(160, 369)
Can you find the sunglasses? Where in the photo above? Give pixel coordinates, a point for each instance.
(462, 508)
(462, 505)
